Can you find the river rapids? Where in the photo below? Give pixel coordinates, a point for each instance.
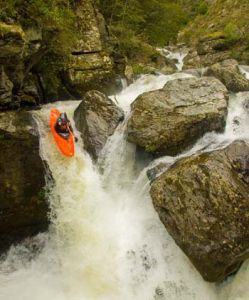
(105, 241)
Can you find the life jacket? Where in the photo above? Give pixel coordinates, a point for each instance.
(62, 125)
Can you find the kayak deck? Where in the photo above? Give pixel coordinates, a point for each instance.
(65, 145)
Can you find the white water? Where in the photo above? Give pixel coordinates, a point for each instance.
(244, 72)
(178, 56)
(106, 241)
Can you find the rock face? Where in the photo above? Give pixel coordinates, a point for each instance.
(90, 65)
(209, 50)
(96, 118)
(16, 49)
(23, 205)
(203, 201)
(168, 120)
(228, 72)
(5, 88)
(31, 73)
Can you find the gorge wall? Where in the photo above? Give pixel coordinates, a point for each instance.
(40, 65)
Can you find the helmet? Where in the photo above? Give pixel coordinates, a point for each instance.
(63, 118)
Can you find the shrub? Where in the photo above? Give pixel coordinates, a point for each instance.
(232, 33)
(202, 8)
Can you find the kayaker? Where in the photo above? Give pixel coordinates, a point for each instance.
(63, 125)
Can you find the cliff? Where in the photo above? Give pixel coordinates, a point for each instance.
(49, 53)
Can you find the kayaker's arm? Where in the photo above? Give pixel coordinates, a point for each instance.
(70, 127)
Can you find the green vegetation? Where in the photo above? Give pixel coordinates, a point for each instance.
(54, 18)
(137, 23)
(202, 7)
(54, 23)
(232, 33)
(228, 18)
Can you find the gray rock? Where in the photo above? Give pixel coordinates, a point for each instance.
(203, 201)
(96, 118)
(228, 72)
(194, 72)
(166, 121)
(23, 204)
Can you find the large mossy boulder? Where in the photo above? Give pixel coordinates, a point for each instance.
(203, 201)
(229, 74)
(96, 118)
(166, 121)
(23, 204)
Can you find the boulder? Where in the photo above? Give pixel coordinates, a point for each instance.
(203, 201)
(96, 118)
(23, 204)
(192, 60)
(166, 121)
(229, 73)
(194, 72)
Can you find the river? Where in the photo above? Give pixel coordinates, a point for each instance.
(105, 241)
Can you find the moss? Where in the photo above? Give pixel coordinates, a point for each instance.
(141, 69)
(214, 35)
(11, 29)
(150, 148)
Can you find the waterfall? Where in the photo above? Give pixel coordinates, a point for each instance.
(105, 241)
(178, 56)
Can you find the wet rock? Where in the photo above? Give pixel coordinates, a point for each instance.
(166, 121)
(203, 202)
(154, 172)
(228, 72)
(96, 118)
(23, 203)
(192, 60)
(29, 95)
(5, 88)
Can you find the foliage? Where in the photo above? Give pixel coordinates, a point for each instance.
(54, 18)
(137, 22)
(202, 8)
(232, 33)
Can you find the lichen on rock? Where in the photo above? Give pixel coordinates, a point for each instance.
(166, 121)
(203, 202)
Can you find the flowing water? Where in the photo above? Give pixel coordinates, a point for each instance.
(176, 56)
(106, 241)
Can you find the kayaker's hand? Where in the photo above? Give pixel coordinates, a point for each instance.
(75, 139)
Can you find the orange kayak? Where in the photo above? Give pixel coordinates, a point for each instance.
(66, 145)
